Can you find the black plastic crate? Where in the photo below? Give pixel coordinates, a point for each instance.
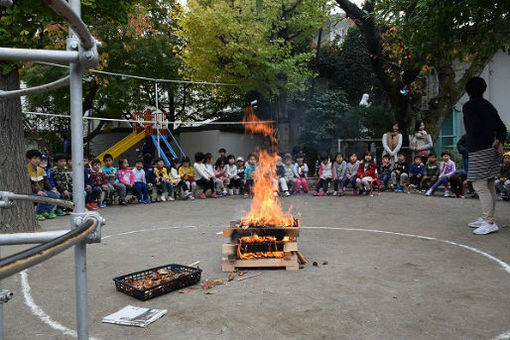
(191, 277)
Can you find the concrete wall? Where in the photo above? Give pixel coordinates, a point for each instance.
(212, 140)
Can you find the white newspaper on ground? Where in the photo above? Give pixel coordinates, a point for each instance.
(135, 316)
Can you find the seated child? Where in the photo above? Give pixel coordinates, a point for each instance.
(240, 173)
(339, 166)
(210, 170)
(202, 177)
(112, 178)
(351, 170)
(99, 179)
(446, 169)
(163, 183)
(188, 174)
(234, 182)
(40, 185)
(288, 175)
(301, 173)
(150, 176)
(385, 172)
(503, 182)
(326, 176)
(92, 193)
(367, 173)
(399, 174)
(281, 183)
(177, 182)
(416, 173)
(62, 180)
(249, 173)
(141, 187)
(430, 172)
(126, 177)
(220, 175)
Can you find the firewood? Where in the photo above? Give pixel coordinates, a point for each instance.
(249, 276)
(194, 264)
(301, 258)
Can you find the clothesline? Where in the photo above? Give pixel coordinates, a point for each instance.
(196, 123)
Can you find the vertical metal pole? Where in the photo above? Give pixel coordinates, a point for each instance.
(1, 317)
(80, 251)
(157, 120)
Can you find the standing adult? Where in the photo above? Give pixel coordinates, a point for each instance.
(421, 143)
(392, 142)
(66, 144)
(485, 136)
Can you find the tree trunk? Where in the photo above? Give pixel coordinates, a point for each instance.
(13, 173)
(284, 133)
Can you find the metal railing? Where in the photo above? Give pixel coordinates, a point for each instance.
(81, 54)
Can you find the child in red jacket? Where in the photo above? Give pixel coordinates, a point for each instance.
(367, 173)
(99, 179)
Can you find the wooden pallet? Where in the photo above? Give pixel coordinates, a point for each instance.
(289, 262)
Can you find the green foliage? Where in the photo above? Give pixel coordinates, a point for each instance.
(438, 30)
(327, 118)
(263, 46)
(348, 67)
(375, 120)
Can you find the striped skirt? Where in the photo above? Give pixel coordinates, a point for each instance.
(483, 165)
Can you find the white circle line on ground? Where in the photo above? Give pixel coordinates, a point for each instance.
(45, 318)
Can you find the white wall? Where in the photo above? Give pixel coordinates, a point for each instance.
(497, 76)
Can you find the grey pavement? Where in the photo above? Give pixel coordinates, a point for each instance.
(375, 285)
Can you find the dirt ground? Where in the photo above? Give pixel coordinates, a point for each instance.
(381, 281)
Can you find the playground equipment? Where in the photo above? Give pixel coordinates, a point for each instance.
(81, 54)
(144, 124)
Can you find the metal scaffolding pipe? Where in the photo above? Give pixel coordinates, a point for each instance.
(30, 238)
(72, 15)
(9, 196)
(27, 54)
(30, 257)
(36, 89)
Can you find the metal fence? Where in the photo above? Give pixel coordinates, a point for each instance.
(81, 54)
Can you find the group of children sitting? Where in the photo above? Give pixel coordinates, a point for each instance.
(231, 176)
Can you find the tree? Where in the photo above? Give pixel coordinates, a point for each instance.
(262, 46)
(25, 24)
(144, 44)
(327, 118)
(408, 38)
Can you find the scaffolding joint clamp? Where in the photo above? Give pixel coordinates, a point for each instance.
(79, 218)
(5, 201)
(5, 296)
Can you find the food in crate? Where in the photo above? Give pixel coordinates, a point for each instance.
(155, 278)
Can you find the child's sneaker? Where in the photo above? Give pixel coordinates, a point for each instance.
(340, 192)
(60, 212)
(102, 205)
(224, 193)
(91, 206)
(446, 193)
(190, 197)
(49, 215)
(202, 195)
(315, 193)
(354, 192)
(170, 198)
(335, 193)
(486, 228)
(429, 192)
(287, 193)
(306, 192)
(122, 202)
(367, 192)
(40, 217)
(231, 192)
(162, 199)
(214, 195)
(322, 193)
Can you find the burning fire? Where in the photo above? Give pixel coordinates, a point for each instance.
(266, 209)
(272, 247)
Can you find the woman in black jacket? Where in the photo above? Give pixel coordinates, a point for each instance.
(485, 137)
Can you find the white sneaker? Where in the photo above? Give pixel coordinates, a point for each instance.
(171, 198)
(476, 223)
(335, 193)
(428, 193)
(486, 228)
(287, 194)
(162, 199)
(231, 192)
(447, 193)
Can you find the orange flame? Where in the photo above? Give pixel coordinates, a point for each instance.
(266, 209)
(271, 252)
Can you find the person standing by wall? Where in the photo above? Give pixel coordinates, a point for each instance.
(392, 142)
(421, 143)
(485, 138)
